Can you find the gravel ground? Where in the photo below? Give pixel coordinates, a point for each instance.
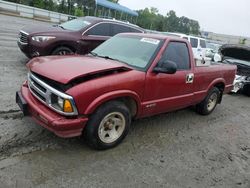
(179, 149)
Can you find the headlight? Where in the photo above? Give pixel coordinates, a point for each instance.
(42, 38)
(60, 102)
(64, 105)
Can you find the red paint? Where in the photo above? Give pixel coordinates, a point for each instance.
(49, 119)
(153, 93)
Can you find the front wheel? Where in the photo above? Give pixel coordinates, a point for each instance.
(108, 126)
(62, 51)
(209, 103)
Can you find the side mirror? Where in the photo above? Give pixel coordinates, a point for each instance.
(217, 57)
(168, 67)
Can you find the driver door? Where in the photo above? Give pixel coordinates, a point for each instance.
(167, 92)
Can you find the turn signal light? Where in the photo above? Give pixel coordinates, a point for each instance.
(67, 107)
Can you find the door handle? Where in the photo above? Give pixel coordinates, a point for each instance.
(189, 78)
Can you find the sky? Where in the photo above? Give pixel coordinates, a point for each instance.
(220, 16)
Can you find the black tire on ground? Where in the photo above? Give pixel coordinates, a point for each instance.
(209, 103)
(111, 117)
(62, 51)
(246, 90)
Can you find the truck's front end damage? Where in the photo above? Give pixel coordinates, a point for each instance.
(238, 55)
(240, 83)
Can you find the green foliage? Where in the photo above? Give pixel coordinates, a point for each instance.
(38, 3)
(114, 1)
(151, 19)
(78, 12)
(243, 41)
(62, 7)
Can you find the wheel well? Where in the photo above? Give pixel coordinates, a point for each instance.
(62, 45)
(221, 87)
(129, 102)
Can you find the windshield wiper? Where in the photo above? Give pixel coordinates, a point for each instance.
(107, 57)
(93, 54)
(110, 58)
(60, 26)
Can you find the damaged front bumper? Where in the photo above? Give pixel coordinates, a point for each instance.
(240, 82)
(61, 125)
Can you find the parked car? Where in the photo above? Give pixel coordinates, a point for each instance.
(75, 36)
(237, 55)
(198, 44)
(212, 49)
(127, 77)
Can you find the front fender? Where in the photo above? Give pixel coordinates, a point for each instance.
(112, 96)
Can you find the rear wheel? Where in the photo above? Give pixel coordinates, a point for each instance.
(209, 103)
(62, 51)
(108, 126)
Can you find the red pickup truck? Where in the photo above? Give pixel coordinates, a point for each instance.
(127, 77)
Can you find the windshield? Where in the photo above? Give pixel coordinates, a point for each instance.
(75, 25)
(132, 50)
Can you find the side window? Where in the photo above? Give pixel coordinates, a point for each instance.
(194, 42)
(120, 29)
(102, 29)
(133, 30)
(178, 53)
(203, 43)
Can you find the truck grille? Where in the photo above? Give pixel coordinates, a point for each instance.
(47, 94)
(38, 89)
(23, 37)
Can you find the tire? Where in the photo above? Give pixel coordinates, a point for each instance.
(209, 103)
(246, 90)
(62, 51)
(108, 126)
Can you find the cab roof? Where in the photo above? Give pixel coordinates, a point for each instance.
(99, 19)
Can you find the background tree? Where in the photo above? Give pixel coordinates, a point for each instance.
(243, 41)
(149, 18)
(114, 1)
(62, 7)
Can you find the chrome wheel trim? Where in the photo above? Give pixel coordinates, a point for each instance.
(64, 52)
(212, 101)
(111, 127)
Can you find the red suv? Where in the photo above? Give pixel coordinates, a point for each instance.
(76, 36)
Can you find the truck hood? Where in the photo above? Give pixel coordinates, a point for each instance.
(65, 69)
(239, 52)
(237, 55)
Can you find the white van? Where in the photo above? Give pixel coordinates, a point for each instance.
(198, 44)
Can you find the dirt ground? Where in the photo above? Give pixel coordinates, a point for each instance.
(179, 149)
